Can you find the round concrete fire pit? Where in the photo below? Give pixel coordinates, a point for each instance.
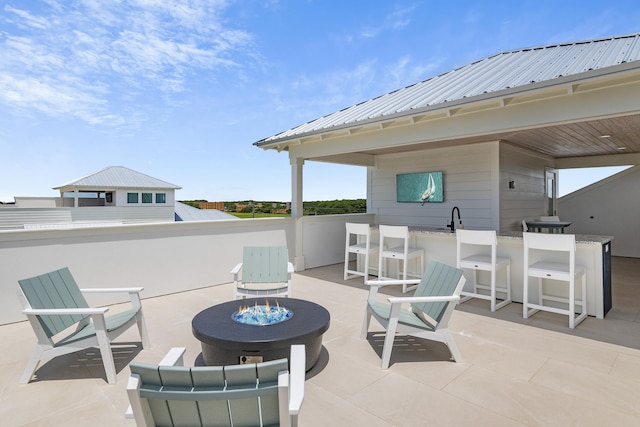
(226, 341)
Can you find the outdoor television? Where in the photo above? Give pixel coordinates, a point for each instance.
(422, 187)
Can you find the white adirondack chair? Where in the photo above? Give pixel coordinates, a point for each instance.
(428, 312)
(264, 271)
(53, 303)
(267, 393)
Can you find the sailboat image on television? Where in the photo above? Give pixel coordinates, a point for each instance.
(430, 192)
(423, 187)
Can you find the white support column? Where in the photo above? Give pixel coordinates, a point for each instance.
(75, 198)
(297, 164)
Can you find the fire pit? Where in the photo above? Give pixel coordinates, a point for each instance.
(258, 329)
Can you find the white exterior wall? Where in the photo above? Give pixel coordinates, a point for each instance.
(324, 237)
(38, 202)
(470, 179)
(16, 218)
(124, 214)
(611, 208)
(527, 200)
(164, 258)
(120, 196)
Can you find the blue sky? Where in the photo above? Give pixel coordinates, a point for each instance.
(180, 90)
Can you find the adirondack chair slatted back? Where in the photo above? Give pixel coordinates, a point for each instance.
(438, 280)
(234, 395)
(265, 264)
(57, 289)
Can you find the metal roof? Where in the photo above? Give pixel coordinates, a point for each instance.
(184, 212)
(523, 68)
(113, 177)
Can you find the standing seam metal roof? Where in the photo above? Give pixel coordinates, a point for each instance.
(505, 70)
(118, 177)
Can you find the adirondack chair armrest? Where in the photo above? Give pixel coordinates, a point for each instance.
(64, 311)
(135, 290)
(380, 283)
(174, 357)
(400, 300)
(236, 272)
(297, 375)
(134, 293)
(236, 269)
(133, 391)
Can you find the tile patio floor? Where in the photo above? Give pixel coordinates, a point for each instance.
(516, 373)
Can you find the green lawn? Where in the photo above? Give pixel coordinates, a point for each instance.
(257, 215)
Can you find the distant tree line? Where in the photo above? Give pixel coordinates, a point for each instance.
(334, 207)
(323, 207)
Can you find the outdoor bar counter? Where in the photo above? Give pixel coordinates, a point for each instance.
(592, 251)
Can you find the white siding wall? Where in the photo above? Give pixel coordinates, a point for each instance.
(470, 176)
(15, 218)
(527, 200)
(121, 196)
(611, 208)
(125, 214)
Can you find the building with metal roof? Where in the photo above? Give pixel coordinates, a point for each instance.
(121, 187)
(498, 77)
(499, 129)
(111, 196)
(116, 177)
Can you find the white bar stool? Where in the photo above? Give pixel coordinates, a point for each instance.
(536, 265)
(362, 246)
(469, 254)
(402, 252)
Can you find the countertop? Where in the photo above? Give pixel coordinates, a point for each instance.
(592, 239)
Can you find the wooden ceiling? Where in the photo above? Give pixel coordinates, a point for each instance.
(616, 135)
(591, 138)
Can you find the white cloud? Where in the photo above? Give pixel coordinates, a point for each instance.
(80, 58)
(394, 21)
(56, 99)
(25, 19)
(399, 18)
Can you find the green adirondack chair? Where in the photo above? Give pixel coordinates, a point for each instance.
(54, 303)
(264, 271)
(263, 394)
(428, 312)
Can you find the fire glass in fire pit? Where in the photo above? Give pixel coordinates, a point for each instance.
(261, 315)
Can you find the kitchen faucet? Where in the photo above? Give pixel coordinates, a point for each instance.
(452, 226)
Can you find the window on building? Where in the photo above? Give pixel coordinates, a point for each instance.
(161, 198)
(132, 197)
(147, 198)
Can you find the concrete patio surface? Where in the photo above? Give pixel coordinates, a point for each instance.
(516, 372)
